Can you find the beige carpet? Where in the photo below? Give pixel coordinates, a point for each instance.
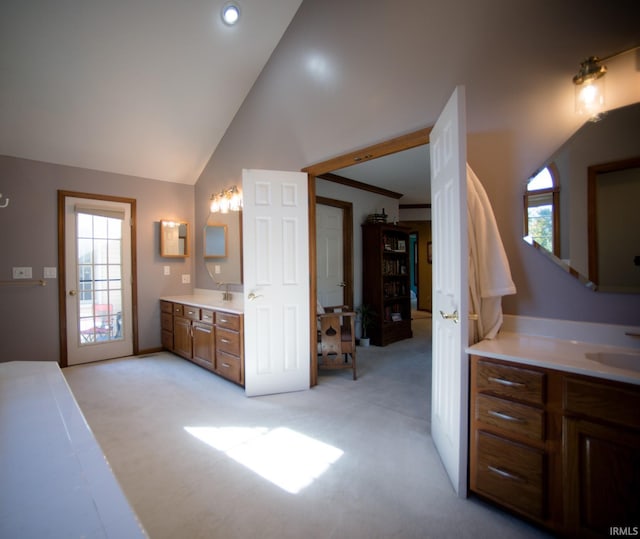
(382, 479)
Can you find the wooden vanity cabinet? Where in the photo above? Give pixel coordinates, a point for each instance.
(560, 449)
(229, 346)
(601, 426)
(210, 338)
(510, 448)
(166, 317)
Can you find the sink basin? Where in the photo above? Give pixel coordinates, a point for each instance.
(621, 360)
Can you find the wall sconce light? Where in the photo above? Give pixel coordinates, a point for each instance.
(226, 201)
(589, 85)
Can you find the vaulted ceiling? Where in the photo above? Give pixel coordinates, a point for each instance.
(139, 87)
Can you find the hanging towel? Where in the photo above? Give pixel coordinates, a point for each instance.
(489, 272)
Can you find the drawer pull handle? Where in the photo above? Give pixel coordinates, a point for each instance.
(190, 312)
(505, 474)
(224, 320)
(504, 382)
(506, 417)
(226, 365)
(226, 341)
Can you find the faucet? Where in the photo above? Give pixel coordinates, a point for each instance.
(226, 295)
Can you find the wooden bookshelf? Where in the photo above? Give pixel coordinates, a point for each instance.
(386, 281)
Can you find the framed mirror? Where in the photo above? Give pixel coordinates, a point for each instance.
(174, 239)
(224, 268)
(584, 193)
(215, 241)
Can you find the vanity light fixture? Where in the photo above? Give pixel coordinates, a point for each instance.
(230, 13)
(226, 201)
(589, 85)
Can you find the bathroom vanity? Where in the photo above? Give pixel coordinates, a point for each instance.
(555, 432)
(206, 332)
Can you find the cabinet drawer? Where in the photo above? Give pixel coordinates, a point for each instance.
(166, 307)
(228, 366)
(177, 309)
(192, 313)
(514, 382)
(167, 321)
(510, 416)
(228, 341)
(510, 473)
(228, 321)
(206, 316)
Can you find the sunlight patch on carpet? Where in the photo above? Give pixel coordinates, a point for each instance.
(286, 458)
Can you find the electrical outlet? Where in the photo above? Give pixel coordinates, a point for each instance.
(186, 278)
(22, 273)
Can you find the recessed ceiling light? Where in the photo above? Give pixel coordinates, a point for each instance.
(230, 13)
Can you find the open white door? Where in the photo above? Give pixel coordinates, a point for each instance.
(276, 281)
(449, 406)
(329, 249)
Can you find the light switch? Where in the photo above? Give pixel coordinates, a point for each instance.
(50, 273)
(186, 278)
(22, 273)
(216, 269)
(167, 270)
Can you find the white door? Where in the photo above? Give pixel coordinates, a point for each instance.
(329, 250)
(98, 279)
(276, 281)
(450, 375)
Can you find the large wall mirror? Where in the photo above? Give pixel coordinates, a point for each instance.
(215, 241)
(581, 205)
(223, 247)
(174, 239)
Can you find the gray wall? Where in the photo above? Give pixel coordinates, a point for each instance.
(350, 74)
(29, 237)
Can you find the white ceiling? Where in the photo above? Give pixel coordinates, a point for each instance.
(406, 173)
(145, 87)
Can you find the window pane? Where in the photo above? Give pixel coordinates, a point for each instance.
(100, 227)
(115, 228)
(542, 180)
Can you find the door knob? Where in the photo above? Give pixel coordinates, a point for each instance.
(253, 296)
(342, 284)
(73, 292)
(453, 316)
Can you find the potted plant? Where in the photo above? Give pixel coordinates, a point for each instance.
(366, 314)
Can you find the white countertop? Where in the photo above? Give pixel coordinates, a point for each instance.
(210, 301)
(56, 482)
(558, 354)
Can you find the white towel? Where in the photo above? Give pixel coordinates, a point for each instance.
(489, 272)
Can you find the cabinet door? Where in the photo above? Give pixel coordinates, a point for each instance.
(182, 336)
(203, 344)
(603, 472)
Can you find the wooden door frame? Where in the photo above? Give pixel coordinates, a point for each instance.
(388, 147)
(347, 245)
(62, 263)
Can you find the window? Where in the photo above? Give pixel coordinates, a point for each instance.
(541, 205)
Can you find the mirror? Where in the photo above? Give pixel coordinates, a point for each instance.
(174, 239)
(581, 204)
(223, 247)
(215, 241)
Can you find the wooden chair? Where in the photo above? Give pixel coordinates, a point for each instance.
(337, 339)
